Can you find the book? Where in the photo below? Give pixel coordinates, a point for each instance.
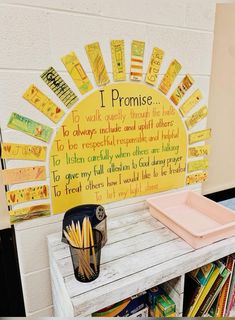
(141, 314)
(223, 296)
(212, 310)
(231, 292)
(191, 291)
(201, 275)
(160, 303)
(231, 303)
(214, 292)
(205, 291)
(124, 308)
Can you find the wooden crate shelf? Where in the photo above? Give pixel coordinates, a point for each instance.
(140, 254)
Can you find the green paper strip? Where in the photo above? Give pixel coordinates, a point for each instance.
(30, 127)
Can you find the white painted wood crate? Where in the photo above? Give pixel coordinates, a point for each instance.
(140, 254)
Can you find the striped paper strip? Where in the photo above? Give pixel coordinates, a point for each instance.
(59, 87)
(137, 58)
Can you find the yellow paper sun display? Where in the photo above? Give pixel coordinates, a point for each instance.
(120, 140)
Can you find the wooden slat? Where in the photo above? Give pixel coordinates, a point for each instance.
(118, 222)
(132, 230)
(123, 248)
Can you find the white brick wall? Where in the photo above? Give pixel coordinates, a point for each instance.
(35, 34)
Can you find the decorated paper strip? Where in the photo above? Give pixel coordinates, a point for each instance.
(59, 87)
(196, 178)
(29, 213)
(40, 101)
(169, 77)
(30, 127)
(154, 66)
(137, 58)
(27, 194)
(199, 136)
(190, 102)
(198, 165)
(18, 175)
(196, 117)
(182, 88)
(118, 60)
(199, 151)
(97, 63)
(23, 151)
(77, 73)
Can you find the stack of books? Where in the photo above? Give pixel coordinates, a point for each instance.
(160, 304)
(210, 290)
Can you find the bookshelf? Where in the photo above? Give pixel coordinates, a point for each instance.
(140, 254)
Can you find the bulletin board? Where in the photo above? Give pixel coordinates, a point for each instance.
(132, 135)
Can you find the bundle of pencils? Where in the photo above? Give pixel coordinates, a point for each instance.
(82, 239)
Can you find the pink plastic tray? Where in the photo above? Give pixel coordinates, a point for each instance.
(196, 219)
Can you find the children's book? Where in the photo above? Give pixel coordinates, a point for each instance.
(231, 292)
(214, 291)
(206, 290)
(200, 276)
(223, 296)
